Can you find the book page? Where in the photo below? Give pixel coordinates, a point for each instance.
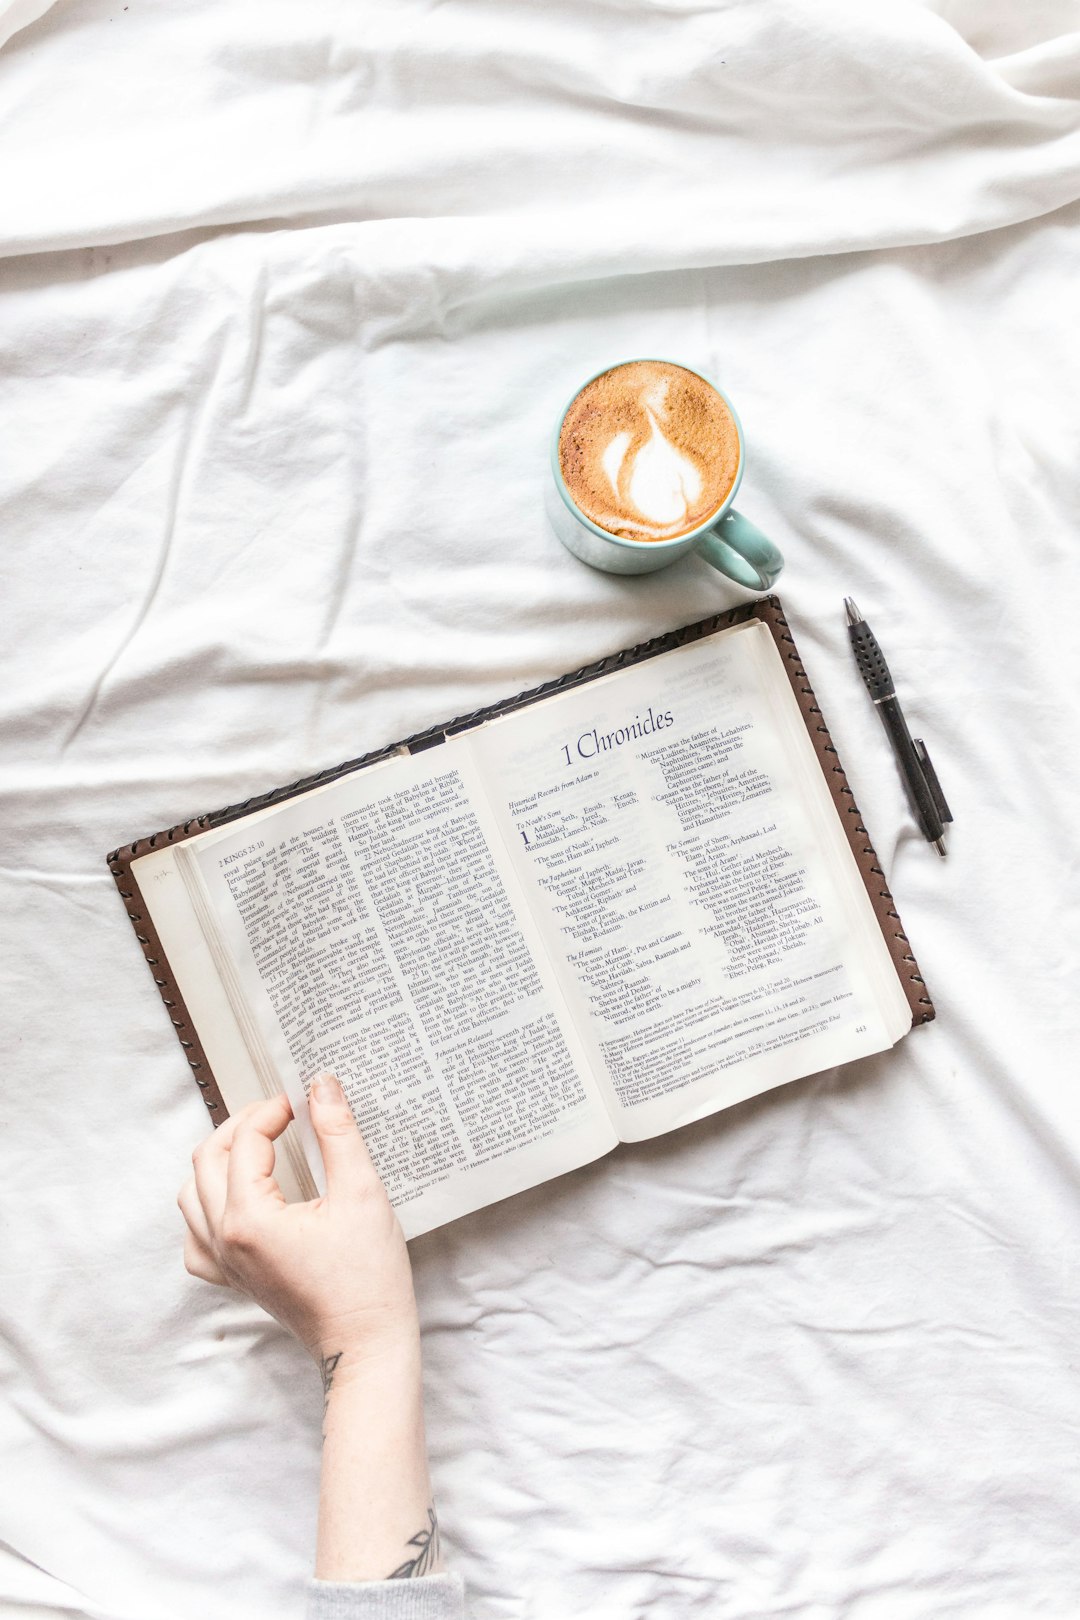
(682, 853)
(378, 930)
(165, 896)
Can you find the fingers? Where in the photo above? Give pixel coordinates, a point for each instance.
(250, 1175)
(210, 1163)
(236, 1162)
(198, 1256)
(198, 1262)
(349, 1169)
(192, 1211)
(211, 1157)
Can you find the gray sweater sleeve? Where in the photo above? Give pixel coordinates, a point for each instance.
(428, 1597)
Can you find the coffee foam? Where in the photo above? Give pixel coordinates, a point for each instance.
(649, 450)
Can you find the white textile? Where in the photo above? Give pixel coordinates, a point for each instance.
(290, 295)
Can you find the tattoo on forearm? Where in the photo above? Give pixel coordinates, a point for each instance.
(426, 1542)
(328, 1366)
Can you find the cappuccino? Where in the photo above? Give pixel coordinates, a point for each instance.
(649, 450)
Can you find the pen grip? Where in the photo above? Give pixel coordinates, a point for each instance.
(911, 771)
(871, 661)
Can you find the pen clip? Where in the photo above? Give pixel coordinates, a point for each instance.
(932, 782)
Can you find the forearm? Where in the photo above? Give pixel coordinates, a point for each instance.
(376, 1515)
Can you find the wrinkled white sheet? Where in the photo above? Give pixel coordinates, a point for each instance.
(289, 296)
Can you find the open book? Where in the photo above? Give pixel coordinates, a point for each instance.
(593, 917)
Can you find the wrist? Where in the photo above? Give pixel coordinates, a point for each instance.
(379, 1336)
(389, 1362)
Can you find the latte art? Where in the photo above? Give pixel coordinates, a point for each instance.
(649, 450)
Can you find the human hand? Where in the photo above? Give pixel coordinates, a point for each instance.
(334, 1271)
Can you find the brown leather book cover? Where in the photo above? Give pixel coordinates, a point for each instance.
(767, 609)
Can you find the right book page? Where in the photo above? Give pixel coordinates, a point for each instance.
(687, 867)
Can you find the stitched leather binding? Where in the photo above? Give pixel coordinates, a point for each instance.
(768, 609)
(922, 1007)
(147, 935)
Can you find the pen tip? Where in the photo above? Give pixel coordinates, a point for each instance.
(853, 614)
(939, 845)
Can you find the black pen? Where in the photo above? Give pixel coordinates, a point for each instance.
(919, 776)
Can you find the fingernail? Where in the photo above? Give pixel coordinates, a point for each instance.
(326, 1088)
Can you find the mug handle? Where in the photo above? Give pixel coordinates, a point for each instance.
(739, 549)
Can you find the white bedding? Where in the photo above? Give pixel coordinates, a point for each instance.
(289, 296)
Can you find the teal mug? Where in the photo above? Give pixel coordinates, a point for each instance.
(725, 539)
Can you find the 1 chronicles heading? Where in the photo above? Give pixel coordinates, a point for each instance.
(591, 744)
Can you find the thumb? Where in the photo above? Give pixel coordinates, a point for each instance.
(345, 1155)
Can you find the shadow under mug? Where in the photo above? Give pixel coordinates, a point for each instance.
(727, 540)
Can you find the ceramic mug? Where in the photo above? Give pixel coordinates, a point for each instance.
(726, 540)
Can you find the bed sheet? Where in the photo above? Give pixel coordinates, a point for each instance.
(289, 296)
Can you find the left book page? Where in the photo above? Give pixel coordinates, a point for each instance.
(377, 929)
